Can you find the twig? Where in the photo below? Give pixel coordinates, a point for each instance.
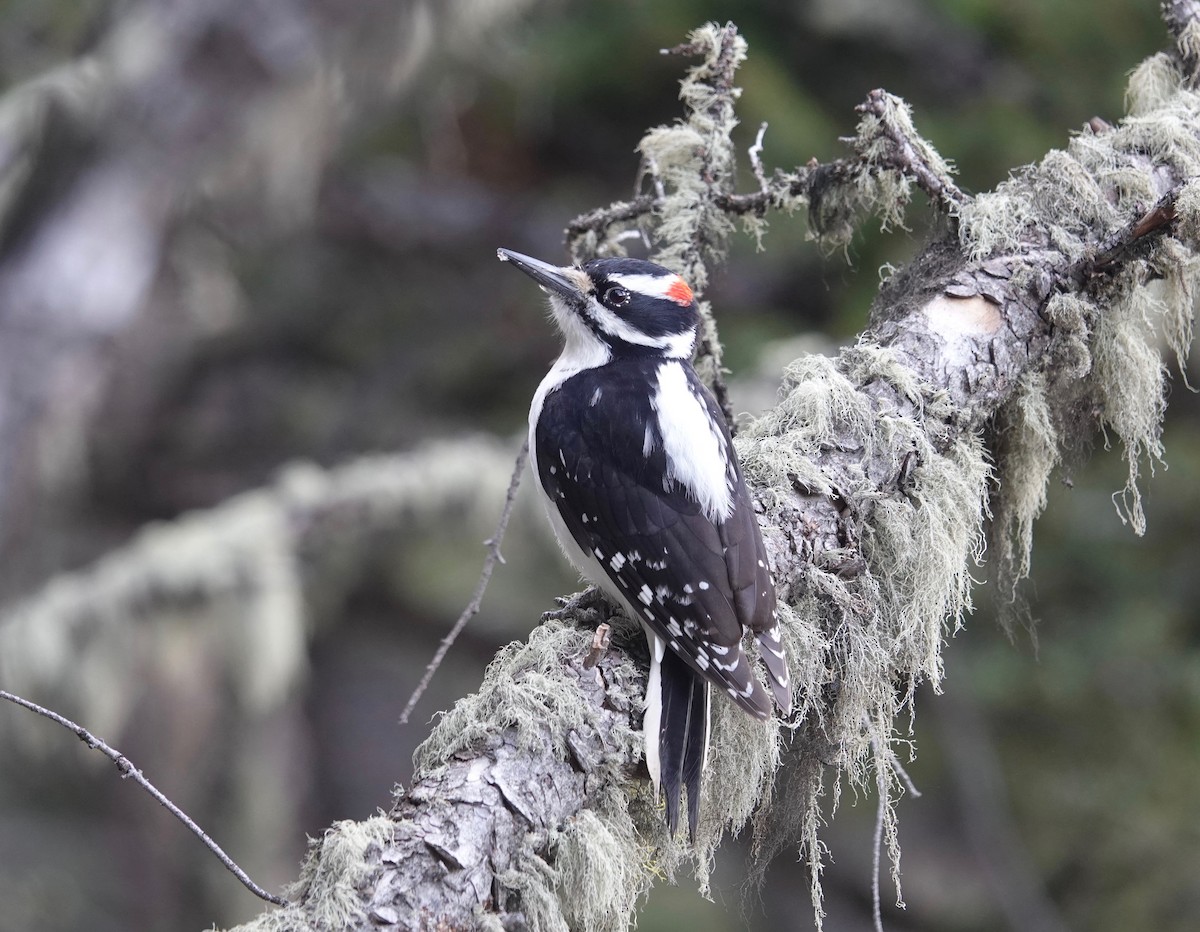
(880, 816)
(1158, 219)
(908, 783)
(600, 642)
(660, 189)
(700, 247)
(128, 770)
(881, 783)
(755, 154)
(489, 565)
(599, 220)
(908, 153)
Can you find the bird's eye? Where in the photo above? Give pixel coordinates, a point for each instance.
(616, 297)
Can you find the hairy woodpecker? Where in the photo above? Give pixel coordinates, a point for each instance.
(645, 494)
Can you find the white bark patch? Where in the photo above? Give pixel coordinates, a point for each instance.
(962, 323)
(696, 456)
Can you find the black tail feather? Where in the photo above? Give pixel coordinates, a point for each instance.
(682, 738)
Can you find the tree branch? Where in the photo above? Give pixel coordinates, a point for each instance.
(489, 565)
(873, 478)
(529, 807)
(128, 770)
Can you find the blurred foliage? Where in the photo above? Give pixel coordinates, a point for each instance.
(385, 321)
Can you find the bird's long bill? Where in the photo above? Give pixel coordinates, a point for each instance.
(567, 282)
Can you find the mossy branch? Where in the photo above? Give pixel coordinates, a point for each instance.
(1028, 323)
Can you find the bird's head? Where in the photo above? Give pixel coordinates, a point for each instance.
(631, 306)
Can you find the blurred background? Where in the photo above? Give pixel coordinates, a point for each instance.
(262, 380)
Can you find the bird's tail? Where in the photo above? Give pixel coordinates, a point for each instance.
(682, 737)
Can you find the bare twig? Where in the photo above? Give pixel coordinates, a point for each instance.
(128, 770)
(881, 785)
(903, 774)
(600, 642)
(660, 190)
(782, 188)
(755, 154)
(489, 565)
(876, 851)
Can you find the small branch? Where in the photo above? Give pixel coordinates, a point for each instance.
(876, 856)
(128, 770)
(903, 774)
(1157, 220)
(599, 220)
(485, 577)
(911, 155)
(660, 190)
(712, 121)
(600, 643)
(755, 155)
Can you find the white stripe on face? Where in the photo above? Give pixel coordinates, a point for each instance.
(668, 285)
(676, 345)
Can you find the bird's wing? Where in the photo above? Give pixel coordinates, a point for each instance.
(690, 580)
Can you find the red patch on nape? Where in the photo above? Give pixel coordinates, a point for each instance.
(679, 292)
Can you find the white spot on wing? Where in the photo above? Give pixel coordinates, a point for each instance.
(703, 584)
(645, 595)
(596, 396)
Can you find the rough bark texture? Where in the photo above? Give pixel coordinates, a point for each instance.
(478, 819)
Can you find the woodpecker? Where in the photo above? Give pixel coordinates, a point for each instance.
(642, 486)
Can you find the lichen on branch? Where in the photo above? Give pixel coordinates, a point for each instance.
(1028, 322)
